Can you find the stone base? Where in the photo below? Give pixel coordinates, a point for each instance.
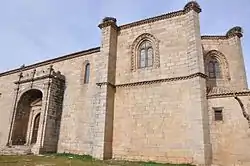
(16, 150)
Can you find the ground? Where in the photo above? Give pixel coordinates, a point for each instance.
(70, 160)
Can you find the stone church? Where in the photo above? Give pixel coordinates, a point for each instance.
(156, 89)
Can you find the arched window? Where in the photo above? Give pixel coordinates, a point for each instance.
(214, 69)
(35, 129)
(87, 73)
(145, 55)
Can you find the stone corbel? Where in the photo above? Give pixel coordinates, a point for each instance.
(235, 31)
(108, 21)
(192, 5)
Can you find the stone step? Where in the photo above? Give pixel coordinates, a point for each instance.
(15, 150)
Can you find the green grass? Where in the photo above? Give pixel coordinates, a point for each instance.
(70, 160)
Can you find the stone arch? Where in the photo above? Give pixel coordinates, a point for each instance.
(135, 45)
(24, 90)
(220, 57)
(22, 116)
(35, 128)
(83, 71)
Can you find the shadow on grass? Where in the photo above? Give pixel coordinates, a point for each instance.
(67, 159)
(139, 163)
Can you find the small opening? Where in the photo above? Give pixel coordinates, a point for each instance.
(218, 116)
(87, 73)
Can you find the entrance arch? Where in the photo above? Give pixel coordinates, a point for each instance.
(22, 117)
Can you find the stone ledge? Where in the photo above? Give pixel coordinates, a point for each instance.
(229, 94)
(51, 61)
(235, 31)
(154, 81)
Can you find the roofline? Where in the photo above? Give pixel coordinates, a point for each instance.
(214, 37)
(192, 5)
(153, 19)
(54, 60)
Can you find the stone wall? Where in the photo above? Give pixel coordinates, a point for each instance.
(53, 115)
(159, 122)
(230, 47)
(78, 114)
(231, 137)
(160, 113)
(7, 90)
(154, 118)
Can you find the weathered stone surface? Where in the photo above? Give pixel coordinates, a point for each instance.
(164, 112)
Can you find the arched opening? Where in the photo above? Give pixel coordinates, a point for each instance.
(35, 129)
(22, 117)
(214, 68)
(87, 73)
(145, 55)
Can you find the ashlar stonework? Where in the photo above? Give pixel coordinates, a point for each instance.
(155, 89)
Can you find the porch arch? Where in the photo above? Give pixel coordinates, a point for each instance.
(22, 116)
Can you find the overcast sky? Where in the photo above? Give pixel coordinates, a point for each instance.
(36, 30)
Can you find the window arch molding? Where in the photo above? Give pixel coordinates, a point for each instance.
(221, 59)
(136, 46)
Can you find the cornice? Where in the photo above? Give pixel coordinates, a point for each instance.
(162, 80)
(152, 19)
(152, 81)
(39, 78)
(192, 5)
(216, 37)
(188, 7)
(235, 31)
(108, 21)
(105, 83)
(51, 61)
(228, 94)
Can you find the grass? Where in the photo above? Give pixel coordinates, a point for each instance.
(70, 160)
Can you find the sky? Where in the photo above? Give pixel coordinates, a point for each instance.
(35, 30)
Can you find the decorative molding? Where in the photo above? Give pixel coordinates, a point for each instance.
(39, 75)
(188, 7)
(235, 31)
(51, 61)
(222, 60)
(152, 19)
(135, 47)
(210, 37)
(163, 80)
(192, 5)
(153, 81)
(229, 94)
(108, 21)
(105, 83)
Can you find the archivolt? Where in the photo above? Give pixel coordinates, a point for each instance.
(221, 59)
(135, 45)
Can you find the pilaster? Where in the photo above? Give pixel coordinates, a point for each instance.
(199, 106)
(106, 67)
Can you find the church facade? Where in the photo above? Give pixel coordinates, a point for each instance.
(156, 89)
